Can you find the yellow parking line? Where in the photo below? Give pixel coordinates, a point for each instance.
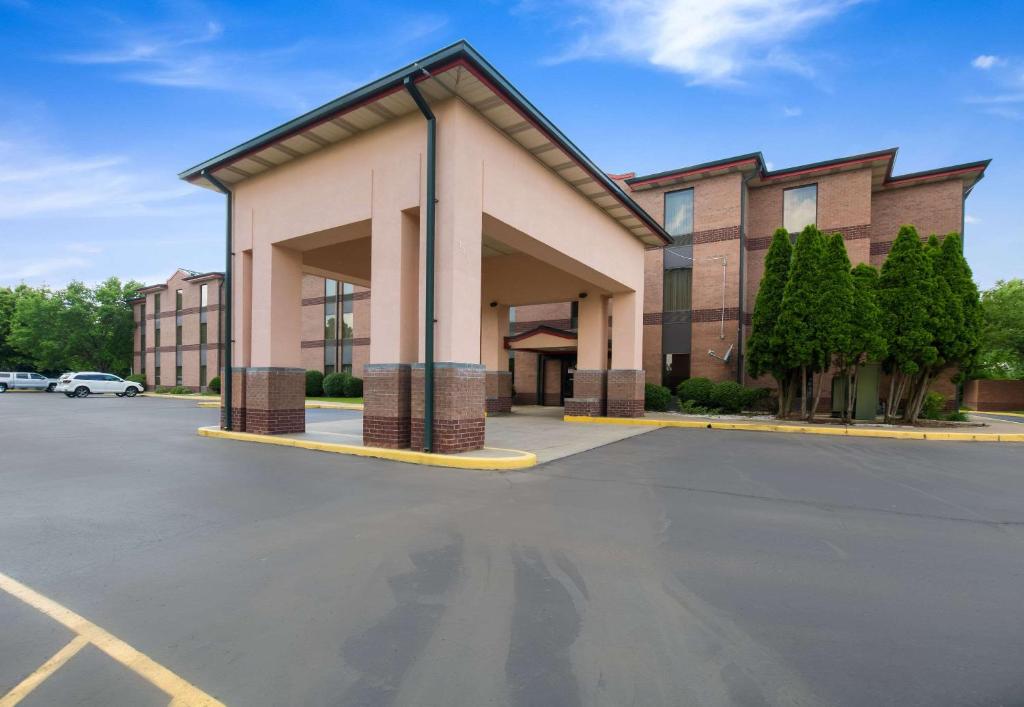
(182, 692)
(44, 671)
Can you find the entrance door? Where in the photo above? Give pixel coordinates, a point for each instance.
(568, 373)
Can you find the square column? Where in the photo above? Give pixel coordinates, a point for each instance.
(386, 405)
(626, 377)
(271, 396)
(591, 377)
(458, 407)
(494, 356)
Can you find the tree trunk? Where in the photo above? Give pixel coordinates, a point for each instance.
(851, 390)
(817, 395)
(783, 385)
(803, 392)
(889, 405)
(914, 409)
(901, 388)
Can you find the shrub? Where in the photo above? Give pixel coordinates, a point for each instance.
(656, 397)
(314, 384)
(214, 384)
(730, 396)
(696, 390)
(957, 416)
(137, 378)
(334, 385)
(931, 408)
(353, 387)
(762, 400)
(691, 408)
(174, 390)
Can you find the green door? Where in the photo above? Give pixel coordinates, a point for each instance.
(866, 402)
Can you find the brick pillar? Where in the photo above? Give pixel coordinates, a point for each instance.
(237, 400)
(275, 400)
(589, 393)
(458, 407)
(625, 393)
(499, 392)
(386, 405)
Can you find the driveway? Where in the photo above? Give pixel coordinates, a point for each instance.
(678, 567)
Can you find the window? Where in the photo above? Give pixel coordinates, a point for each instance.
(21, 376)
(347, 317)
(677, 289)
(177, 375)
(177, 300)
(202, 376)
(156, 371)
(36, 376)
(677, 369)
(679, 213)
(799, 207)
(202, 333)
(156, 305)
(156, 339)
(204, 295)
(177, 335)
(330, 310)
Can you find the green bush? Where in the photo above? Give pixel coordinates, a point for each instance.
(957, 416)
(730, 396)
(137, 378)
(656, 397)
(314, 384)
(931, 408)
(214, 384)
(353, 387)
(334, 385)
(762, 400)
(691, 408)
(696, 390)
(174, 390)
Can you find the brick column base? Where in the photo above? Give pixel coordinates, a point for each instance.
(275, 400)
(458, 407)
(625, 393)
(498, 392)
(386, 404)
(589, 393)
(237, 400)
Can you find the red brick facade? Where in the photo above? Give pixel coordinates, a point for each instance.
(994, 395)
(459, 390)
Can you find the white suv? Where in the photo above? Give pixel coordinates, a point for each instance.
(80, 385)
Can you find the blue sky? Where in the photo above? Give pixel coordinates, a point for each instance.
(101, 105)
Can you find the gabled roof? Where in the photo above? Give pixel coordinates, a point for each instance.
(458, 70)
(880, 162)
(190, 276)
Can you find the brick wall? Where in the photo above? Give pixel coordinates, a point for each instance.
(931, 208)
(995, 395)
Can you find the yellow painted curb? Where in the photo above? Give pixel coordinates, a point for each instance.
(172, 396)
(522, 460)
(801, 429)
(993, 412)
(208, 405)
(313, 405)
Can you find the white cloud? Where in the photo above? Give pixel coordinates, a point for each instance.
(971, 219)
(792, 111)
(986, 61)
(710, 42)
(41, 181)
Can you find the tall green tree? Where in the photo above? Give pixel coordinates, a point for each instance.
(867, 341)
(798, 331)
(835, 297)
(764, 354)
(905, 287)
(10, 357)
(1001, 331)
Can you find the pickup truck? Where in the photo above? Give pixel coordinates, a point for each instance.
(20, 380)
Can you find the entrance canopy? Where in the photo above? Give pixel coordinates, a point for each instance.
(543, 339)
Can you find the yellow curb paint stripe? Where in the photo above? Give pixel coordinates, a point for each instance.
(22, 689)
(522, 460)
(800, 429)
(183, 692)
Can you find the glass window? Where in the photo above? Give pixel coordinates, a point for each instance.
(177, 300)
(202, 375)
(156, 304)
(21, 376)
(156, 375)
(204, 294)
(156, 338)
(677, 290)
(177, 375)
(330, 327)
(36, 376)
(799, 207)
(347, 323)
(679, 212)
(177, 335)
(330, 357)
(202, 333)
(331, 288)
(677, 369)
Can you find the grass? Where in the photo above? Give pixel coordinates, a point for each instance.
(357, 401)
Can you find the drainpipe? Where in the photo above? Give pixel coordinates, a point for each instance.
(742, 275)
(428, 331)
(225, 384)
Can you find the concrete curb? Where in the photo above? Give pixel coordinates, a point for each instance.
(208, 401)
(801, 429)
(521, 460)
(992, 412)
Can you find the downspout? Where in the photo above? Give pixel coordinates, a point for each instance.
(227, 336)
(428, 324)
(742, 276)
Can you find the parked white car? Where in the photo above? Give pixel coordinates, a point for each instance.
(23, 380)
(81, 385)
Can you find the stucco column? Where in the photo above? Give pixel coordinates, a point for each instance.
(626, 377)
(494, 357)
(591, 377)
(394, 323)
(459, 378)
(274, 379)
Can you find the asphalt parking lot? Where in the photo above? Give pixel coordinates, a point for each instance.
(692, 567)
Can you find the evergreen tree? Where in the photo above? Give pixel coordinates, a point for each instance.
(762, 356)
(799, 331)
(905, 287)
(835, 310)
(867, 341)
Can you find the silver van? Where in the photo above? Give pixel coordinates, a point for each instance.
(20, 380)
